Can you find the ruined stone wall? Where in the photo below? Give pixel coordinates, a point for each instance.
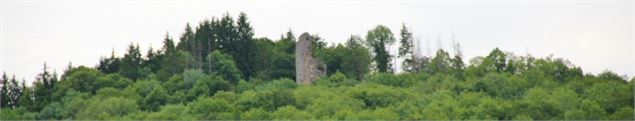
(307, 68)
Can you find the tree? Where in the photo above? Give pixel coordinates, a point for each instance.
(287, 42)
(168, 45)
(131, 64)
(245, 47)
(405, 50)
(610, 76)
(504, 86)
(378, 38)
(379, 114)
(356, 59)
(317, 42)
(537, 106)
(153, 59)
(109, 108)
(27, 99)
(109, 65)
(255, 114)
(275, 59)
(332, 57)
(591, 110)
(82, 79)
(4, 94)
(610, 95)
(205, 40)
(496, 60)
(226, 35)
(16, 114)
(457, 65)
(422, 64)
(51, 111)
(187, 45)
(174, 61)
(212, 109)
(43, 88)
(268, 96)
(441, 63)
(290, 113)
(12, 92)
(224, 66)
(624, 113)
(172, 84)
(208, 86)
(157, 97)
(171, 112)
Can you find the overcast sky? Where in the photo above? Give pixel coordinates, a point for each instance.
(593, 34)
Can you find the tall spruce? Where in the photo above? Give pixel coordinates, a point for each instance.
(406, 49)
(245, 47)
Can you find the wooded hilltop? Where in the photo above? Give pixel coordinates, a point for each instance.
(218, 70)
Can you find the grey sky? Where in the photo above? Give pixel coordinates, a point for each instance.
(595, 35)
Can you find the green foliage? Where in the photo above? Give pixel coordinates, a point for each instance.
(82, 79)
(73, 102)
(131, 64)
(11, 92)
(406, 49)
(387, 79)
(171, 112)
(441, 63)
(375, 96)
(157, 97)
(354, 59)
(51, 111)
(335, 80)
(275, 59)
(172, 61)
(254, 114)
(209, 108)
(223, 65)
(611, 95)
(44, 84)
(16, 114)
(26, 99)
(610, 76)
(245, 47)
(110, 64)
(207, 86)
(501, 85)
(218, 71)
(101, 109)
(4, 91)
(378, 39)
(290, 113)
(624, 113)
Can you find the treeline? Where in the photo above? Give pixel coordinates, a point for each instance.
(219, 71)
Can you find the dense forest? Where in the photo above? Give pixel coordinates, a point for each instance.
(218, 70)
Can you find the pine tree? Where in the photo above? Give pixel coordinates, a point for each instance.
(187, 44)
(109, 65)
(43, 89)
(405, 50)
(4, 92)
(171, 62)
(245, 46)
(15, 92)
(131, 63)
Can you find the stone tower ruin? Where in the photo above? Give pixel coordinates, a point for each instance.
(307, 68)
